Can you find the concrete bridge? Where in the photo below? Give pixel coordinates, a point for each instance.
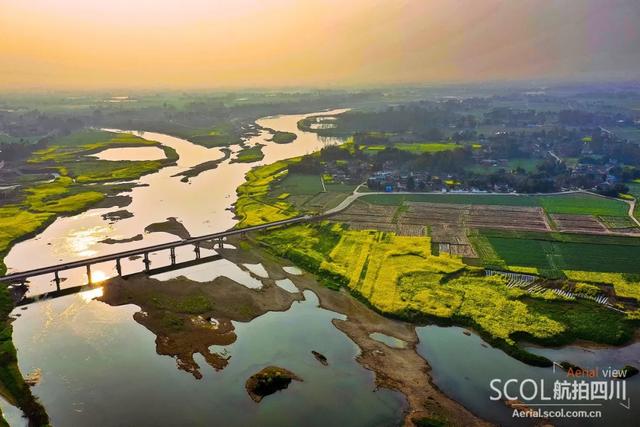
(196, 242)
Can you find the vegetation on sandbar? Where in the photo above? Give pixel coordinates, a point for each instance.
(268, 381)
(249, 154)
(280, 137)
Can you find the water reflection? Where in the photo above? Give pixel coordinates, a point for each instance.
(463, 366)
(92, 294)
(81, 242)
(131, 153)
(95, 362)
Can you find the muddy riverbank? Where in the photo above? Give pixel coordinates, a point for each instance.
(400, 369)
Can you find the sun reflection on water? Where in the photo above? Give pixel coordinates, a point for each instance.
(81, 242)
(91, 294)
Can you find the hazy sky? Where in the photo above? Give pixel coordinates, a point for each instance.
(244, 43)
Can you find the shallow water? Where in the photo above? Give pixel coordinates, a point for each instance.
(202, 205)
(463, 366)
(211, 270)
(295, 271)
(96, 362)
(287, 285)
(257, 269)
(388, 340)
(131, 153)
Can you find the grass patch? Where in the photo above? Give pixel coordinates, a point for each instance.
(217, 136)
(299, 184)
(585, 320)
(426, 147)
(413, 147)
(634, 190)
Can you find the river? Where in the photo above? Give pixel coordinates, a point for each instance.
(99, 367)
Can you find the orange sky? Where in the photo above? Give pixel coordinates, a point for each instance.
(247, 43)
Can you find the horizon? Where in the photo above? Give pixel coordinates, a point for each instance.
(281, 44)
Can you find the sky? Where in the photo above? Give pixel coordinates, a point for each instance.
(90, 44)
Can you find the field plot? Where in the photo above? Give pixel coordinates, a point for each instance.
(364, 216)
(619, 224)
(447, 223)
(555, 252)
(475, 216)
(570, 203)
(579, 223)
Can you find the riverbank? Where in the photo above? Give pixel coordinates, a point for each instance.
(400, 276)
(399, 369)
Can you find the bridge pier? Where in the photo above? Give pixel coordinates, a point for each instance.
(214, 239)
(173, 256)
(147, 262)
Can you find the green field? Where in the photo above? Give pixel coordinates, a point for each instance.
(553, 252)
(578, 203)
(299, 184)
(528, 165)
(414, 147)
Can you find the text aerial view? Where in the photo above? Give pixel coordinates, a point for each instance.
(317, 213)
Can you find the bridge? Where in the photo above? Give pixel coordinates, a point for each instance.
(196, 242)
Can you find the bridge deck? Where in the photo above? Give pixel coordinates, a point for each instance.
(24, 275)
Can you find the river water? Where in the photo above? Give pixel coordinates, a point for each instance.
(99, 367)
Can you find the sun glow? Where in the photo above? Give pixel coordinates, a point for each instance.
(92, 294)
(215, 43)
(81, 242)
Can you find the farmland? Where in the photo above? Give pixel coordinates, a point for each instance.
(271, 193)
(554, 252)
(413, 147)
(400, 276)
(573, 203)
